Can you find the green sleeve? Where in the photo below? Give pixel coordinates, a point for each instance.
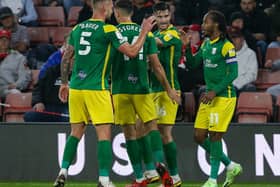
(193, 61)
(152, 47)
(114, 36)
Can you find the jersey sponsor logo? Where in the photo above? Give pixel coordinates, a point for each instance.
(82, 75)
(208, 63)
(133, 79)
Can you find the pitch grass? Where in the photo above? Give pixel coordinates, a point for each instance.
(73, 184)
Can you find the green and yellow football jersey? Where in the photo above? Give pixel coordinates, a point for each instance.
(219, 65)
(92, 41)
(130, 75)
(169, 56)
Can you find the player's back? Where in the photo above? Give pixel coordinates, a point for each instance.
(92, 44)
(130, 74)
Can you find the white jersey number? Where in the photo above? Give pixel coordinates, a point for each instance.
(85, 42)
(140, 54)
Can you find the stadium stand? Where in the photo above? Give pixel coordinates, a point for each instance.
(254, 107)
(51, 16)
(57, 34)
(37, 2)
(267, 78)
(20, 103)
(73, 15)
(272, 54)
(189, 107)
(35, 76)
(278, 108)
(38, 35)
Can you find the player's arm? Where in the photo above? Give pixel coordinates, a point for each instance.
(65, 71)
(132, 50)
(161, 76)
(193, 61)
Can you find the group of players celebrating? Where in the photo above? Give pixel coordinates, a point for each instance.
(145, 104)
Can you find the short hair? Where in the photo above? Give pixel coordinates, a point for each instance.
(125, 5)
(161, 6)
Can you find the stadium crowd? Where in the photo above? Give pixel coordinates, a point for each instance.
(33, 39)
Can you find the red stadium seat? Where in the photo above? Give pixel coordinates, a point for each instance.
(51, 16)
(38, 35)
(57, 34)
(272, 54)
(73, 15)
(19, 104)
(254, 103)
(189, 106)
(266, 79)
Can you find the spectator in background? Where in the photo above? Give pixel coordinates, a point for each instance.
(45, 98)
(247, 62)
(184, 73)
(45, 93)
(274, 15)
(237, 20)
(257, 22)
(52, 3)
(67, 4)
(24, 11)
(141, 9)
(86, 12)
(19, 38)
(14, 74)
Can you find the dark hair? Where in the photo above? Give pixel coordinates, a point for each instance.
(161, 6)
(125, 5)
(236, 15)
(219, 18)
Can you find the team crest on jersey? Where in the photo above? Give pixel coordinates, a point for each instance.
(214, 50)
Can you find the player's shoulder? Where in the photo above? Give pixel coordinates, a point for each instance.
(228, 48)
(109, 28)
(172, 31)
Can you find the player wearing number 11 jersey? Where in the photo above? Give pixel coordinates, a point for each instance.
(90, 44)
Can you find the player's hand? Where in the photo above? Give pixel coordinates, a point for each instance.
(63, 93)
(39, 107)
(185, 37)
(148, 24)
(174, 96)
(207, 98)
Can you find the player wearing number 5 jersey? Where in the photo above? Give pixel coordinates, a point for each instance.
(90, 44)
(130, 88)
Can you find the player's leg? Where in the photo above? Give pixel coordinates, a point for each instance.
(125, 115)
(78, 120)
(99, 106)
(144, 142)
(165, 124)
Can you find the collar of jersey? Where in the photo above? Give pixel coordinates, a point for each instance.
(169, 27)
(128, 22)
(91, 19)
(215, 40)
